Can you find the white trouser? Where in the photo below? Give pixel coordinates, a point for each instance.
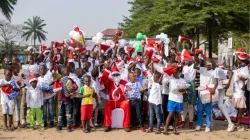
(222, 107)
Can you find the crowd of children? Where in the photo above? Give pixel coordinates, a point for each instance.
(70, 84)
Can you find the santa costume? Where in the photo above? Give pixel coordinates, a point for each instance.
(115, 88)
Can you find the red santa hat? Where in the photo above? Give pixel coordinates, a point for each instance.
(82, 50)
(59, 44)
(120, 33)
(56, 58)
(128, 49)
(150, 42)
(57, 86)
(115, 70)
(42, 48)
(181, 38)
(72, 44)
(46, 52)
(58, 50)
(130, 61)
(32, 78)
(150, 53)
(71, 56)
(104, 48)
(243, 56)
(170, 70)
(239, 50)
(185, 56)
(76, 28)
(156, 58)
(197, 51)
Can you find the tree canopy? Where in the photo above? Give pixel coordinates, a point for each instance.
(7, 8)
(209, 19)
(33, 29)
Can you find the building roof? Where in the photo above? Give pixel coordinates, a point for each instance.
(109, 32)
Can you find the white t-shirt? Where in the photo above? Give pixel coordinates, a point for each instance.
(189, 72)
(45, 80)
(165, 85)
(174, 94)
(206, 77)
(155, 94)
(18, 78)
(34, 97)
(4, 97)
(237, 91)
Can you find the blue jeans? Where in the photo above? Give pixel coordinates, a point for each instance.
(17, 108)
(65, 107)
(155, 109)
(48, 109)
(208, 111)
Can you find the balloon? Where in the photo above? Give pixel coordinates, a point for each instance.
(140, 36)
(122, 42)
(138, 47)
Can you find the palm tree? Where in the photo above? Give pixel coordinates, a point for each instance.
(7, 8)
(33, 29)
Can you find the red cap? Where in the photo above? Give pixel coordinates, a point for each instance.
(243, 56)
(170, 70)
(115, 70)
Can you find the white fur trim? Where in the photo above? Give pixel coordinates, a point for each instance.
(113, 95)
(115, 73)
(57, 89)
(108, 71)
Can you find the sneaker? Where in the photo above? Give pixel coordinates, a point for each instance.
(241, 128)
(191, 125)
(142, 129)
(51, 125)
(59, 128)
(73, 126)
(170, 127)
(97, 125)
(230, 127)
(69, 129)
(107, 129)
(180, 124)
(198, 128)
(133, 128)
(149, 130)
(32, 128)
(127, 129)
(42, 128)
(45, 124)
(207, 130)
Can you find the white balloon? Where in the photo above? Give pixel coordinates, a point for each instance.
(122, 42)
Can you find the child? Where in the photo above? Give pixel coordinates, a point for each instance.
(8, 86)
(34, 100)
(207, 76)
(18, 78)
(239, 100)
(190, 98)
(77, 101)
(133, 92)
(155, 102)
(44, 82)
(64, 101)
(87, 93)
(175, 99)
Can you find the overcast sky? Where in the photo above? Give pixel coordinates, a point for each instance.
(91, 16)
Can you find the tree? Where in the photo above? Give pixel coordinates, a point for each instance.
(7, 8)
(33, 30)
(9, 36)
(211, 19)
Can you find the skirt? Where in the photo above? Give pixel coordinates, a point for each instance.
(86, 112)
(239, 103)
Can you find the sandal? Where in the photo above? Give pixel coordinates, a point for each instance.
(165, 133)
(85, 131)
(176, 133)
(241, 128)
(6, 129)
(149, 130)
(158, 131)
